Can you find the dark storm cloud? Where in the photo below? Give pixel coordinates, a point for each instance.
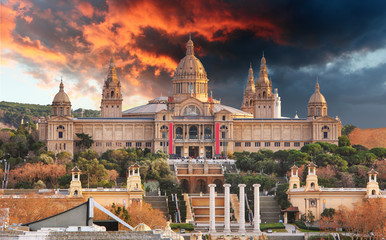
(148, 38)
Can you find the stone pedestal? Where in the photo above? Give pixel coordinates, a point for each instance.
(256, 219)
(242, 208)
(227, 221)
(212, 209)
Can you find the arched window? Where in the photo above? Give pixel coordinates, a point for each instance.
(207, 133)
(325, 130)
(295, 186)
(223, 118)
(318, 111)
(373, 192)
(60, 130)
(193, 133)
(76, 193)
(179, 133)
(264, 95)
(250, 102)
(112, 94)
(61, 111)
(68, 111)
(312, 186)
(163, 117)
(192, 110)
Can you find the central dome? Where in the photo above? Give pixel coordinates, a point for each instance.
(190, 67)
(317, 97)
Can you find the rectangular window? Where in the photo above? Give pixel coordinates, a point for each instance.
(277, 144)
(60, 134)
(306, 143)
(237, 144)
(247, 144)
(138, 144)
(223, 135)
(128, 144)
(257, 144)
(109, 144)
(287, 144)
(118, 144)
(267, 144)
(148, 144)
(325, 135)
(64, 146)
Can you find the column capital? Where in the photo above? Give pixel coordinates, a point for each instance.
(212, 185)
(242, 185)
(227, 185)
(256, 185)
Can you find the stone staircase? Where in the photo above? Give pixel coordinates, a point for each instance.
(158, 202)
(269, 210)
(200, 207)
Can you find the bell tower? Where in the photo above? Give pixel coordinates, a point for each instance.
(312, 178)
(249, 93)
(265, 100)
(111, 104)
(75, 185)
(372, 188)
(294, 181)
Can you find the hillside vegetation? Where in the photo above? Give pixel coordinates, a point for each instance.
(11, 113)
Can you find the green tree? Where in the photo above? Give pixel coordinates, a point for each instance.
(328, 147)
(63, 157)
(360, 148)
(347, 129)
(281, 196)
(85, 140)
(328, 212)
(346, 151)
(88, 154)
(312, 149)
(94, 171)
(343, 141)
(379, 152)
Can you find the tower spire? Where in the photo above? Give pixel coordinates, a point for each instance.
(317, 89)
(61, 86)
(189, 46)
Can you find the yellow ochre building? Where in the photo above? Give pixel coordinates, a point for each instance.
(190, 122)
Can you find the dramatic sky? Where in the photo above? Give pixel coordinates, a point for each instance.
(342, 43)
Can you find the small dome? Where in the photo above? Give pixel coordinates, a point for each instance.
(61, 96)
(317, 97)
(190, 67)
(142, 228)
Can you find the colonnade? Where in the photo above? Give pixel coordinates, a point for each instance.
(227, 222)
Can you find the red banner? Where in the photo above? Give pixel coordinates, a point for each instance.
(217, 138)
(170, 138)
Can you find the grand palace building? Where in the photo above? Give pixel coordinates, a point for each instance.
(190, 122)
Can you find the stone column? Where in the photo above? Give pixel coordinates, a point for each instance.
(227, 221)
(256, 219)
(212, 209)
(242, 209)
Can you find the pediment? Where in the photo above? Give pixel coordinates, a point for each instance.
(61, 119)
(325, 119)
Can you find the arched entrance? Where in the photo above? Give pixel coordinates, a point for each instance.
(184, 185)
(201, 186)
(219, 186)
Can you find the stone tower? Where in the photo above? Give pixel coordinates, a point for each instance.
(190, 79)
(372, 188)
(75, 185)
(111, 104)
(294, 181)
(249, 93)
(134, 179)
(61, 105)
(264, 100)
(317, 106)
(312, 178)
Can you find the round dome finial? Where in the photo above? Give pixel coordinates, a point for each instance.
(317, 97)
(61, 96)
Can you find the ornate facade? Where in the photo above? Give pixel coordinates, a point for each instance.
(191, 122)
(314, 198)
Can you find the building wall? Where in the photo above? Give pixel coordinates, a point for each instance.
(323, 200)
